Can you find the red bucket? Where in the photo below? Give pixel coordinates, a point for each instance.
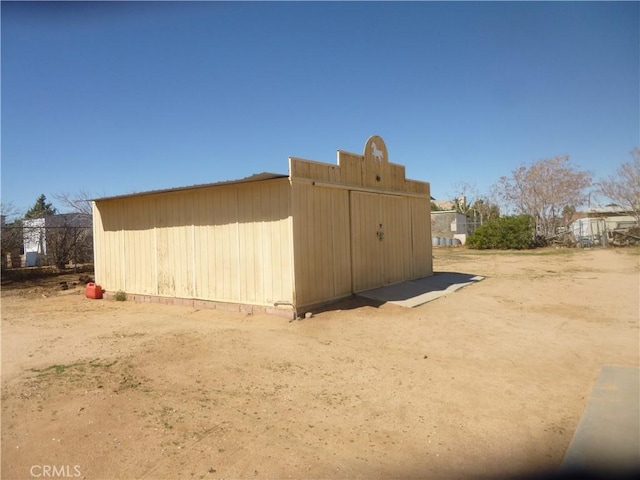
(93, 291)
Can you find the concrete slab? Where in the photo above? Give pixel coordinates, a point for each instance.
(418, 292)
(608, 435)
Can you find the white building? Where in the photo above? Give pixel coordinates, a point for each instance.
(34, 233)
(35, 241)
(598, 226)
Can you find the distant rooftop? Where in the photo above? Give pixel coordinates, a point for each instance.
(608, 209)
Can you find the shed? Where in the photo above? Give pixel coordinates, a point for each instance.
(269, 242)
(449, 224)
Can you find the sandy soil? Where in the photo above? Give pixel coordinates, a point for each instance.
(490, 381)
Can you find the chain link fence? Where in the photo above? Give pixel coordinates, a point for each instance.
(59, 240)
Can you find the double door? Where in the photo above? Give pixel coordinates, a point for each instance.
(381, 240)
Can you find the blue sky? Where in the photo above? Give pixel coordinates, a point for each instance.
(122, 97)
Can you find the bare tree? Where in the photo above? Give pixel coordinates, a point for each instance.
(476, 207)
(9, 212)
(72, 238)
(567, 214)
(486, 209)
(543, 189)
(11, 231)
(79, 202)
(465, 196)
(624, 187)
(69, 239)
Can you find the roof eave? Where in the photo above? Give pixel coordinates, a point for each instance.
(258, 177)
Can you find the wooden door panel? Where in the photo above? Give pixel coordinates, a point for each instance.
(366, 248)
(396, 250)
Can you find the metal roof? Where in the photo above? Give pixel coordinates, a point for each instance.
(258, 177)
(612, 208)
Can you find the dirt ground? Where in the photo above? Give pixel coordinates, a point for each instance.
(490, 381)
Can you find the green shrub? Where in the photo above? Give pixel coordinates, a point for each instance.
(120, 296)
(516, 232)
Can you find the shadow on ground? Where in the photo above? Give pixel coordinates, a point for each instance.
(406, 294)
(422, 290)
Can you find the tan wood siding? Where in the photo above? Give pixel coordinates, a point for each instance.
(351, 200)
(138, 247)
(165, 281)
(396, 178)
(422, 260)
(108, 266)
(224, 243)
(366, 248)
(396, 243)
(321, 243)
(351, 167)
(380, 240)
(300, 168)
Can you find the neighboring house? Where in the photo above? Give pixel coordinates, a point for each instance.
(35, 241)
(599, 225)
(36, 230)
(448, 205)
(278, 242)
(444, 205)
(447, 225)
